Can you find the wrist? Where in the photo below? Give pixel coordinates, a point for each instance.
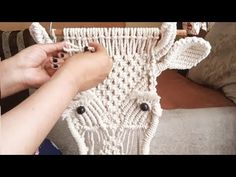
(73, 72)
(18, 72)
(11, 77)
(67, 77)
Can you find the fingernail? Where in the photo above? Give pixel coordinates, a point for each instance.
(54, 60)
(55, 66)
(86, 49)
(61, 55)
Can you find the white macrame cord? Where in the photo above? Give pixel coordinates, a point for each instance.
(122, 113)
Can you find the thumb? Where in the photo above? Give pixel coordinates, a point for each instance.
(55, 47)
(98, 47)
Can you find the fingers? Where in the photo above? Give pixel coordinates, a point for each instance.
(60, 54)
(52, 48)
(89, 49)
(55, 63)
(49, 69)
(58, 57)
(97, 47)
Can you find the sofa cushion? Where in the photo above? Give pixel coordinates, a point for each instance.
(177, 91)
(218, 70)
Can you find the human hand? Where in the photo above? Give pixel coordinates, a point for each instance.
(88, 69)
(35, 63)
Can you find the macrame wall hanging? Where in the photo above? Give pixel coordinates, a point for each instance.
(121, 115)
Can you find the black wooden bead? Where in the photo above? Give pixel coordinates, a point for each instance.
(144, 107)
(80, 110)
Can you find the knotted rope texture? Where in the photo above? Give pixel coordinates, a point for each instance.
(121, 114)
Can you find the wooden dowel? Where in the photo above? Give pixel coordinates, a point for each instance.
(181, 33)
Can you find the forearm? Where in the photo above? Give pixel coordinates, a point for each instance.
(10, 78)
(23, 131)
(25, 126)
